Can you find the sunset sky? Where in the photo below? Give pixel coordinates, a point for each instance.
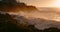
(42, 3)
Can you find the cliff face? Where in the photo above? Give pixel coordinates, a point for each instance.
(13, 6)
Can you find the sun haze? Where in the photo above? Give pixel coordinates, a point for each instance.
(56, 3)
(42, 3)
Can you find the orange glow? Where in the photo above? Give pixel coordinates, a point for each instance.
(56, 3)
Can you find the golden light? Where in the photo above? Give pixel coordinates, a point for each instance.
(56, 3)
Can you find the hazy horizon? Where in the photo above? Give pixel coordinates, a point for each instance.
(42, 3)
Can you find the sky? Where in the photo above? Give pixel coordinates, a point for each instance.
(42, 3)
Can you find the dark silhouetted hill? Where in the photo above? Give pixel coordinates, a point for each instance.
(13, 6)
(7, 23)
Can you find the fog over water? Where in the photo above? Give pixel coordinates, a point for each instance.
(42, 13)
